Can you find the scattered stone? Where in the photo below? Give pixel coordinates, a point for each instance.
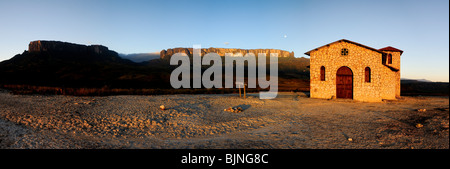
(444, 124)
(234, 109)
(162, 107)
(134, 120)
(418, 125)
(153, 123)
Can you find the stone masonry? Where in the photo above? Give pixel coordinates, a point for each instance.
(384, 77)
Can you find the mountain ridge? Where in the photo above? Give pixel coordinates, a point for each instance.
(55, 63)
(140, 57)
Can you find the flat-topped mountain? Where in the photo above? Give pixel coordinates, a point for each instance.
(55, 51)
(55, 63)
(166, 54)
(57, 46)
(63, 64)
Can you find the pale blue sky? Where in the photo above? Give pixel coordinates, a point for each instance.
(418, 27)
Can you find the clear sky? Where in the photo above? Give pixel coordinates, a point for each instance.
(418, 27)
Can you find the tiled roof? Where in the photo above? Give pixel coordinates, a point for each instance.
(345, 40)
(390, 48)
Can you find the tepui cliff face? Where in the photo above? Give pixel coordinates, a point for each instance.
(166, 54)
(57, 52)
(57, 46)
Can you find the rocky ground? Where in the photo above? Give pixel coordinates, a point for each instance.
(291, 121)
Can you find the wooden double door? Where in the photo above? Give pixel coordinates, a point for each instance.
(344, 83)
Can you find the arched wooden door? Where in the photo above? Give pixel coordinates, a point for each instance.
(344, 83)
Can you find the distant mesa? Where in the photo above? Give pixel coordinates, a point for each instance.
(46, 53)
(406, 80)
(55, 63)
(66, 47)
(166, 54)
(64, 64)
(57, 46)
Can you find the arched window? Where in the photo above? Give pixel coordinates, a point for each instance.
(367, 74)
(389, 59)
(322, 73)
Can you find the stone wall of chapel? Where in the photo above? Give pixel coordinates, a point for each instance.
(385, 84)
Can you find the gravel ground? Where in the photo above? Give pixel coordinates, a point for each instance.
(291, 121)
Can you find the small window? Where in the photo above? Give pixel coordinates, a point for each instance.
(367, 74)
(344, 52)
(389, 59)
(322, 73)
(383, 59)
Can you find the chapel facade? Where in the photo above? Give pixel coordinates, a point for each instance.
(346, 69)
